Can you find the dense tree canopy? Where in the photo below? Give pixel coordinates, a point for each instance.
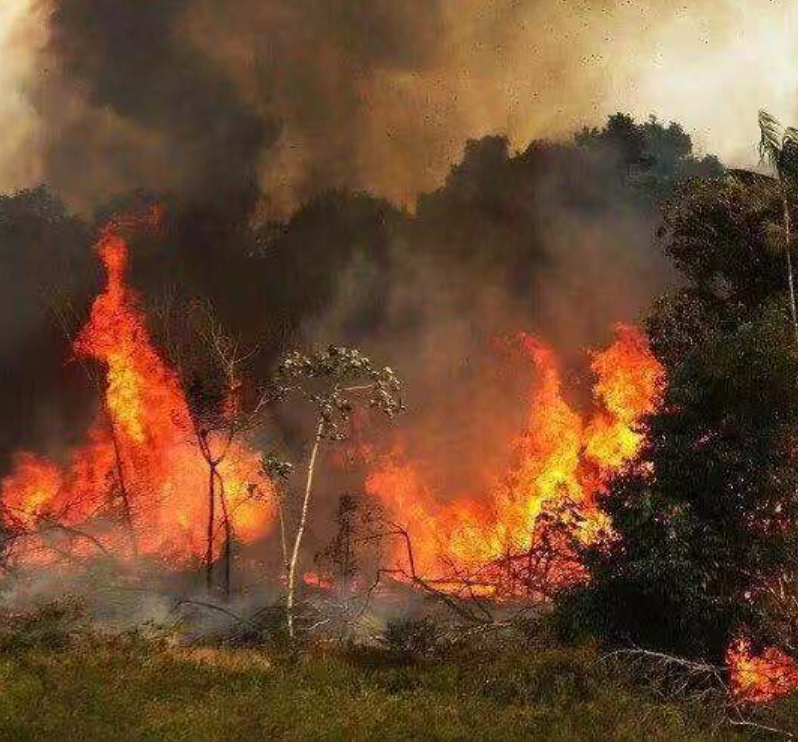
(705, 521)
(537, 228)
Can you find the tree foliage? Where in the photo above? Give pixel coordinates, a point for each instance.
(705, 521)
(652, 157)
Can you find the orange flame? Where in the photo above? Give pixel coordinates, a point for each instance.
(629, 380)
(140, 455)
(562, 460)
(760, 678)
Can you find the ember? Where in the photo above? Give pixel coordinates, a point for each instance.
(760, 678)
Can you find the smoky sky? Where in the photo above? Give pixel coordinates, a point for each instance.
(131, 63)
(292, 97)
(206, 98)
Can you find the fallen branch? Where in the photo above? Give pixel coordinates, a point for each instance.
(214, 607)
(733, 713)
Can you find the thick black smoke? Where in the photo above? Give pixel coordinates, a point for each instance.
(190, 98)
(148, 109)
(209, 97)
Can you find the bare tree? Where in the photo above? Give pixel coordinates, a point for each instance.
(210, 365)
(340, 554)
(334, 382)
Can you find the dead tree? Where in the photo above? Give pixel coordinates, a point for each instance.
(210, 365)
(340, 553)
(333, 382)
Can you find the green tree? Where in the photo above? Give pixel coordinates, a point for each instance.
(704, 521)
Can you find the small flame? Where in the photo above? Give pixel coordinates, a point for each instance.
(760, 678)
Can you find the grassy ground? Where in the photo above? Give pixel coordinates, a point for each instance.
(129, 688)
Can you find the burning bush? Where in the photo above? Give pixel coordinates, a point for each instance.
(520, 540)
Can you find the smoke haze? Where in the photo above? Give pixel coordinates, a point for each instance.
(297, 96)
(363, 173)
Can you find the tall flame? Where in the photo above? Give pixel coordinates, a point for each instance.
(140, 464)
(562, 459)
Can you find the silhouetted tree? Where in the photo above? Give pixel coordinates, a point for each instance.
(779, 147)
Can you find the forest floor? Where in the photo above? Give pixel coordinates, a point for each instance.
(57, 685)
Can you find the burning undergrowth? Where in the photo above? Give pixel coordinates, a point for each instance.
(522, 468)
(134, 489)
(131, 489)
(516, 540)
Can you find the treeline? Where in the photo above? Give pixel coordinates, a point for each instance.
(536, 227)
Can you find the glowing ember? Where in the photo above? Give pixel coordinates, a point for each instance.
(760, 678)
(140, 466)
(315, 579)
(561, 461)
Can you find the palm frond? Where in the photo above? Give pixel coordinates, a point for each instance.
(788, 159)
(772, 137)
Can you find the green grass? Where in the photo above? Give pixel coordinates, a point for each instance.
(129, 688)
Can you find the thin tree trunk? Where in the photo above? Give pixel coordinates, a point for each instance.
(790, 278)
(211, 523)
(120, 474)
(289, 606)
(228, 539)
(283, 541)
(791, 284)
(348, 561)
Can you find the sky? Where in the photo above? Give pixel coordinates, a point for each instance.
(454, 69)
(21, 33)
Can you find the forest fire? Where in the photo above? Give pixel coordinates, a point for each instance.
(448, 391)
(138, 485)
(516, 541)
(135, 487)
